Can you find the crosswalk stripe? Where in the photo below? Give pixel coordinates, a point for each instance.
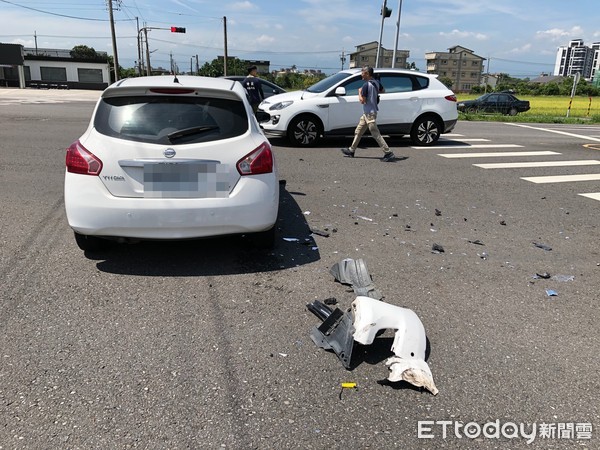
(592, 195)
(563, 178)
(446, 147)
(519, 165)
(466, 140)
(496, 154)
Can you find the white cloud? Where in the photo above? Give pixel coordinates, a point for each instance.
(243, 6)
(464, 35)
(560, 35)
(264, 39)
(523, 49)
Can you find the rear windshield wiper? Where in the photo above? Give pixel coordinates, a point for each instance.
(189, 131)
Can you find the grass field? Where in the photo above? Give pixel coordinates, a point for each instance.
(545, 109)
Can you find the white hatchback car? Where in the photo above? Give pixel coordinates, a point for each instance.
(414, 103)
(171, 158)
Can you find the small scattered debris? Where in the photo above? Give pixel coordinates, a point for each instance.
(437, 248)
(476, 242)
(551, 293)
(368, 219)
(503, 222)
(544, 275)
(438, 212)
(288, 239)
(347, 385)
(542, 246)
(330, 301)
(483, 255)
(319, 232)
(563, 278)
(306, 213)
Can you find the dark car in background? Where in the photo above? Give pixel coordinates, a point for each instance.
(268, 88)
(495, 102)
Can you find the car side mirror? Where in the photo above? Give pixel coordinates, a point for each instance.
(341, 91)
(262, 116)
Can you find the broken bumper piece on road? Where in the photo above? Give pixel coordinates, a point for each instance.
(366, 318)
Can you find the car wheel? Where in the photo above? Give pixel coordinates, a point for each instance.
(89, 243)
(425, 131)
(304, 131)
(512, 112)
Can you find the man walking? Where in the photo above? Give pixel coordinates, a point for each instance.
(368, 95)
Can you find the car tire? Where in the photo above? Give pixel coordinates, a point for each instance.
(304, 131)
(426, 131)
(89, 243)
(512, 112)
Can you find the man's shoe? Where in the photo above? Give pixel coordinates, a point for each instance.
(348, 152)
(388, 157)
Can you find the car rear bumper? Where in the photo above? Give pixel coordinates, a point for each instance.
(449, 125)
(92, 210)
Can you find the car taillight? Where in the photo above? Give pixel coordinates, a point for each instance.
(79, 160)
(451, 98)
(258, 161)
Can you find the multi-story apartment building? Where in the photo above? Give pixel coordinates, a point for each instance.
(578, 58)
(459, 64)
(366, 55)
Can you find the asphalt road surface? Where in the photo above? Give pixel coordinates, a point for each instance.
(206, 344)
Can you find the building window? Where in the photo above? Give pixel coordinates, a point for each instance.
(444, 61)
(53, 73)
(364, 58)
(89, 75)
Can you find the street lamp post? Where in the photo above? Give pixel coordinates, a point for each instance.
(397, 32)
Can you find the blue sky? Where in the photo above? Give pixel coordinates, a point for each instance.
(518, 37)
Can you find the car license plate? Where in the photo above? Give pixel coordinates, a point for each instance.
(186, 180)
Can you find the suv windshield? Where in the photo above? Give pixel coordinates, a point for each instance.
(325, 84)
(171, 120)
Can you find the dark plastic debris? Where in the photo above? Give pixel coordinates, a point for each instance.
(542, 246)
(354, 273)
(437, 248)
(335, 333)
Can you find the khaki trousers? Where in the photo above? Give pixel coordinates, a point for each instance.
(368, 121)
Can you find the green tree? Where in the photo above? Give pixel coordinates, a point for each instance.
(448, 82)
(83, 52)
(215, 68)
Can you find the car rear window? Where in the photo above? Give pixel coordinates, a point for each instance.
(171, 120)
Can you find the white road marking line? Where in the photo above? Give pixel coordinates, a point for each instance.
(592, 195)
(465, 140)
(518, 165)
(580, 136)
(563, 178)
(501, 154)
(437, 147)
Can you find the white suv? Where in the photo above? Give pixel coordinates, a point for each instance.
(414, 103)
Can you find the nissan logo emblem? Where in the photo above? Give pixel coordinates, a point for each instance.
(169, 153)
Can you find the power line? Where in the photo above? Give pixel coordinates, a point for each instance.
(56, 14)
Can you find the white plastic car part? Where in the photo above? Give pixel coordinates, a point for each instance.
(409, 344)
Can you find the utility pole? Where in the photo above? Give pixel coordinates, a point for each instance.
(343, 58)
(383, 12)
(197, 65)
(225, 47)
(35, 38)
(114, 39)
(139, 46)
(397, 33)
(148, 67)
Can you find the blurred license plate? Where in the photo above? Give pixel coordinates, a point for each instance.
(186, 180)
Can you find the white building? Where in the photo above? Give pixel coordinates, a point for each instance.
(578, 58)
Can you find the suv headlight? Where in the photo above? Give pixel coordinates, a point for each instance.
(281, 105)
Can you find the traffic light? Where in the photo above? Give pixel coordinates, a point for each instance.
(177, 30)
(386, 12)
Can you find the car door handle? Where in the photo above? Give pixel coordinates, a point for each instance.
(323, 106)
